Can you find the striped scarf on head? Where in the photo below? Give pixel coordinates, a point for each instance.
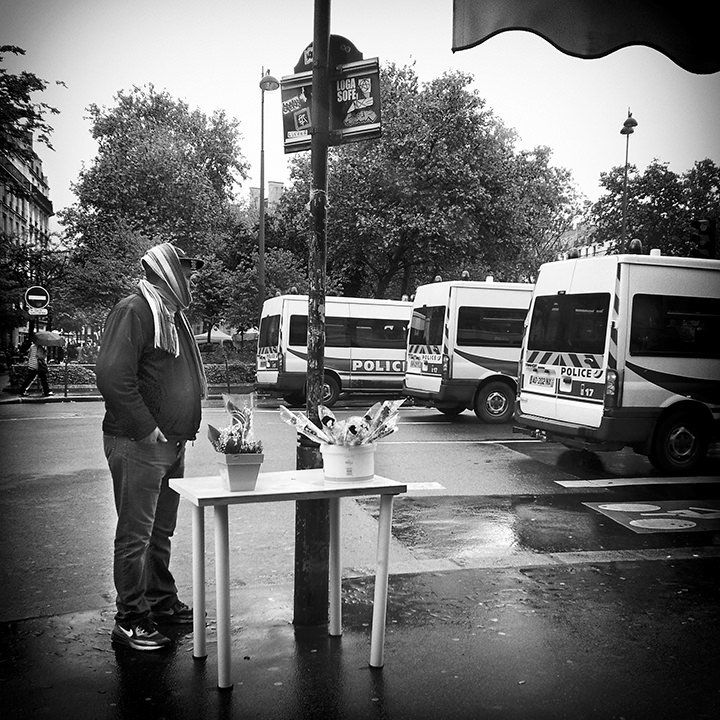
(167, 302)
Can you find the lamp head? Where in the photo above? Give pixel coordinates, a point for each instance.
(629, 124)
(269, 83)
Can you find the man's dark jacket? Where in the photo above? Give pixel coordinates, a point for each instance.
(144, 386)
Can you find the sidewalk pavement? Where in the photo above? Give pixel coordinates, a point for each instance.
(630, 640)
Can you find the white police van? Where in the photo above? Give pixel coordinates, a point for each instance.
(464, 346)
(623, 350)
(364, 347)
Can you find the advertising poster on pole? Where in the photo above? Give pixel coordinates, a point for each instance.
(296, 95)
(354, 96)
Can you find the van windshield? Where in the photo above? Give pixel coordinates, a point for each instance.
(426, 325)
(570, 323)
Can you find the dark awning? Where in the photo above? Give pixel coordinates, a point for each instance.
(684, 30)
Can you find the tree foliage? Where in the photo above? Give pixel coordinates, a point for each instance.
(20, 115)
(660, 205)
(22, 266)
(441, 191)
(162, 173)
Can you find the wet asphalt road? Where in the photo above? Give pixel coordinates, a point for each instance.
(509, 596)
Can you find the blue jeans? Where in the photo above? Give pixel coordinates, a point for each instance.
(147, 514)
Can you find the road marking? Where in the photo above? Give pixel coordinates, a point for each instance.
(65, 416)
(455, 442)
(619, 482)
(424, 486)
(662, 515)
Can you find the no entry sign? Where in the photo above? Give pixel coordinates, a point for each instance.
(37, 299)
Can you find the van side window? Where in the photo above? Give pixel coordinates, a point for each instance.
(380, 333)
(570, 323)
(492, 327)
(674, 325)
(337, 332)
(426, 325)
(298, 330)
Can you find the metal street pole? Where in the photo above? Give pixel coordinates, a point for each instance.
(267, 84)
(627, 130)
(312, 517)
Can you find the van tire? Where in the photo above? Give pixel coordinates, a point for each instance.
(330, 391)
(494, 402)
(451, 409)
(297, 400)
(679, 444)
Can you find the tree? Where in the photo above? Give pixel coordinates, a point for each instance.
(661, 204)
(162, 173)
(441, 191)
(20, 115)
(22, 266)
(211, 297)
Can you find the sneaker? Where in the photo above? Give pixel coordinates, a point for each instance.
(177, 614)
(140, 636)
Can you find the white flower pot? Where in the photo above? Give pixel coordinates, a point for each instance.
(348, 463)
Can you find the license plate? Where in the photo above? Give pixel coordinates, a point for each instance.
(542, 380)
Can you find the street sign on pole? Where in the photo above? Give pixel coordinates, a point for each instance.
(36, 300)
(37, 297)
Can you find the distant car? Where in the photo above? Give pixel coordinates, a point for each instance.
(216, 338)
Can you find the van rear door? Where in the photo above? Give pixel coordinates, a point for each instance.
(565, 364)
(424, 370)
(268, 347)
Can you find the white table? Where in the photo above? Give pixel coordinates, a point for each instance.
(277, 487)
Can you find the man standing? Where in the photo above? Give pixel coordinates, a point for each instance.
(151, 376)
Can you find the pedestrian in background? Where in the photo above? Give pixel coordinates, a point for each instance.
(151, 377)
(37, 368)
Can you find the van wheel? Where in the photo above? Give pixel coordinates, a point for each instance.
(494, 403)
(330, 391)
(679, 444)
(297, 400)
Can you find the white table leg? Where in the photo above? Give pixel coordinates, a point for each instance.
(335, 570)
(222, 589)
(377, 639)
(198, 572)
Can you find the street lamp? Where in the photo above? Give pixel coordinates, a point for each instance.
(627, 130)
(267, 83)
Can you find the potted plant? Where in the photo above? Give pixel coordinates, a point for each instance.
(241, 453)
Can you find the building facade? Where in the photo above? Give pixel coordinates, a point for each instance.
(24, 214)
(26, 204)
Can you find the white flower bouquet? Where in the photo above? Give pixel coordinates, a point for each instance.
(377, 422)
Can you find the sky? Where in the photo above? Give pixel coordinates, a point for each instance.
(211, 55)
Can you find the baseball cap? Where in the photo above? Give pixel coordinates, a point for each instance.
(188, 263)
